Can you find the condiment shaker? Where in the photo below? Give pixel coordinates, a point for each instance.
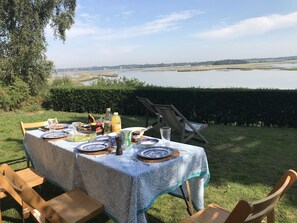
(119, 150)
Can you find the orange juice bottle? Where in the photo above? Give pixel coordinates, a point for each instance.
(116, 124)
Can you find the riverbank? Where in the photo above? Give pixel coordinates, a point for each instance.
(280, 75)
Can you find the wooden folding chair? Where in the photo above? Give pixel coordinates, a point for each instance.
(247, 211)
(71, 207)
(32, 125)
(175, 120)
(28, 175)
(149, 109)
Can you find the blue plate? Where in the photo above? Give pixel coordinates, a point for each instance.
(147, 142)
(102, 139)
(155, 152)
(92, 146)
(54, 135)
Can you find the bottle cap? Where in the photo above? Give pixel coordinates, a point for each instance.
(115, 113)
(108, 110)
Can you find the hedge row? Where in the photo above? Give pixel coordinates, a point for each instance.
(241, 106)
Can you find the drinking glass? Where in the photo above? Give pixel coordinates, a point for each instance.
(51, 124)
(126, 138)
(165, 135)
(75, 126)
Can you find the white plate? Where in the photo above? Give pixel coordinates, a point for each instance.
(102, 139)
(147, 142)
(134, 129)
(155, 152)
(57, 126)
(92, 147)
(54, 135)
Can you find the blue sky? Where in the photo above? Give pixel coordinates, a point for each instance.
(114, 32)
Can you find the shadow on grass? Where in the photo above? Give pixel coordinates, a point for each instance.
(251, 156)
(15, 161)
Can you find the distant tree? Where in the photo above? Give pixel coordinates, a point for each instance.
(22, 38)
(119, 82)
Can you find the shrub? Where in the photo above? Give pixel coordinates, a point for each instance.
(12, 97)
(118, 82)
(62, 82)
(241, 106)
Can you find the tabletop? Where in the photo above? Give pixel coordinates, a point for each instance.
(125, 186)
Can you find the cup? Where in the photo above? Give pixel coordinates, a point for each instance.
(126, 138)
(165, 135)
(51, 124)
(75, 126)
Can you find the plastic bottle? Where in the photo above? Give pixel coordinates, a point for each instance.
(107, 121)
(116, 123)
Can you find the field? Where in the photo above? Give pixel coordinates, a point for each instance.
(244, 162)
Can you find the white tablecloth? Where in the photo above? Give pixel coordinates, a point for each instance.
(127, 188)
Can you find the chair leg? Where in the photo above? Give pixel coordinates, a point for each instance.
(270, 217)
(147, 118)
(28, 163)
(0, 211)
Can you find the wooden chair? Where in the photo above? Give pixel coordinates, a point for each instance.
(175, 120)
(32, 125)
(31, 177)
(247, 211)
(70, 207)
(149, 106)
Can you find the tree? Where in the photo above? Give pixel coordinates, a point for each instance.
(22, 38)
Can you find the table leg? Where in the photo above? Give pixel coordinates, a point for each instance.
(188, 200)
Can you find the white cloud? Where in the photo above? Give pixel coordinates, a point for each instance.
(80, 31)
(160, 24)
(251, 26)
(125, 14)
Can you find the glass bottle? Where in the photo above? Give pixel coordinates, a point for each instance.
(116, 123)
(107, 121)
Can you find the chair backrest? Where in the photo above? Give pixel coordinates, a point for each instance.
(256, 211)
(147, 104)
(30, 197)
(32, 125)
(171, 116)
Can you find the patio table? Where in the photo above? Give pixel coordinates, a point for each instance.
(125, 186)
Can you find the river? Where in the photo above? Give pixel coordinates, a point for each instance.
(277, 79)
(217, 78)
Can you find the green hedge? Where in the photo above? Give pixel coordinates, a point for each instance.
(240, 106)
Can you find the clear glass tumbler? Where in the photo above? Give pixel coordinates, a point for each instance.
(165, 135)
(52, 122)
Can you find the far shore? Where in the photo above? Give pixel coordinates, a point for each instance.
(89, 75)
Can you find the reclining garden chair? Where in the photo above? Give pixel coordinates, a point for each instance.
(175, 120)
(247, 211)
(149, 108)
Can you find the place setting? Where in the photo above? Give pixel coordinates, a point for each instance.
(55, 135)
(152, 153)
(98, 146)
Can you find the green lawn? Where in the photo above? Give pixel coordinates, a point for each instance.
(244, 162)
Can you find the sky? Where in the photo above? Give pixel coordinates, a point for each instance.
(116, 32)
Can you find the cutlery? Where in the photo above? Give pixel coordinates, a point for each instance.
(144, 130)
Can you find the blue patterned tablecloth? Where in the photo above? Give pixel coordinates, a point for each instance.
(125, 186)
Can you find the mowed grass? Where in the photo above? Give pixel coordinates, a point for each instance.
(244, 162)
